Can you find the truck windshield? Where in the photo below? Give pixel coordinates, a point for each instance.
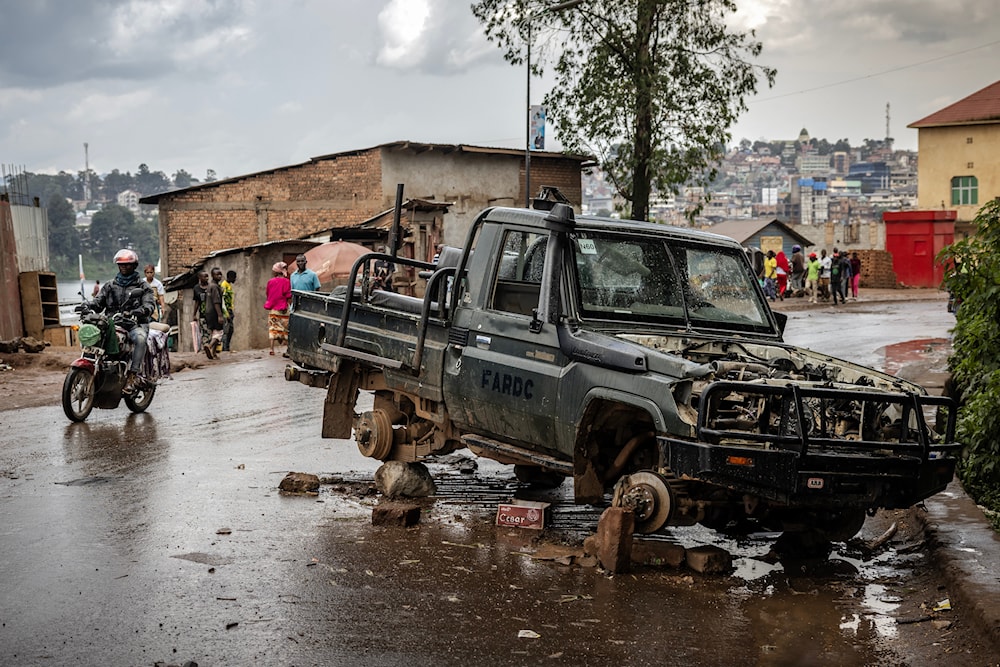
(648, 279)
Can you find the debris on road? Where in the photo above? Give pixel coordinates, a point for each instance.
(300, 482)
(395, 514)
(411, 480)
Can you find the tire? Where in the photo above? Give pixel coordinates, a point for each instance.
(78, 394)
(841, 525)
(140, 400)
(538, 478)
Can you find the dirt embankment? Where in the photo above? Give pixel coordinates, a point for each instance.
(35, 379)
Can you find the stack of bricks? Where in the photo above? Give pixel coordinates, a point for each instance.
(876, 269)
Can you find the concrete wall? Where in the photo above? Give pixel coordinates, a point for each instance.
(472, 181)
(867, 235)
(947, 152)
(11, 324)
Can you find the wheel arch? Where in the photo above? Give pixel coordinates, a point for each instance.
(606, 411)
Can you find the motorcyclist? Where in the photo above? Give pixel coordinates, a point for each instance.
(119, 296)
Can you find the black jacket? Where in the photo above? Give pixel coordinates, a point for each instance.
(115, 298)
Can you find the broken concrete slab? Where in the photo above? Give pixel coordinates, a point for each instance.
(658, 554)
(709, 559)
(614, 535)
(396, 514)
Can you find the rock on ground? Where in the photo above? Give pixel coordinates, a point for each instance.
(400, 479)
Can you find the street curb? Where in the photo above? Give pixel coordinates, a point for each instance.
(967, 552)
(802, 304)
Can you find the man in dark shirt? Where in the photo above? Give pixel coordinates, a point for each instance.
(215, 317)
(798, 269)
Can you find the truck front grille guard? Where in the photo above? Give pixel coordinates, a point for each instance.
(821, 419)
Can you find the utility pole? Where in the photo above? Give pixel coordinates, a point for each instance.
(527, 124)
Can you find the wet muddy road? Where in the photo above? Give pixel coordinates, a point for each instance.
(137, 539)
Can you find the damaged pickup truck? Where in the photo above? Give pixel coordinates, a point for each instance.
(641, 360)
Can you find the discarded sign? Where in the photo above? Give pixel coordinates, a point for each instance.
(524, 514)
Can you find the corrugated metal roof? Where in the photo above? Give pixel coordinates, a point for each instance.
(982, 106)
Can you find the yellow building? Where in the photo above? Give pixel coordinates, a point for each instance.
(959, 149)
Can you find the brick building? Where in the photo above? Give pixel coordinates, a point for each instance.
(343, 190)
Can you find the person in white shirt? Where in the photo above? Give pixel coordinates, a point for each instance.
(825, 264)
(150, 271)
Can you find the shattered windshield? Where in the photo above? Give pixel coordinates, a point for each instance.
(654, 279)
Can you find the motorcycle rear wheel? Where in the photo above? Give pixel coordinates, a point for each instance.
(78, 394)
(140, 400)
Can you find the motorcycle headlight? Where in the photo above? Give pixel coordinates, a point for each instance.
(89, 335)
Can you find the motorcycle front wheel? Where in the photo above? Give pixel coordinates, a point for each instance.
(140, 400)
(78, 394)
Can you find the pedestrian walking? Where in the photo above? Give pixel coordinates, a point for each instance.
(825, 264)
(228, 298)
(783, 270)
(199, 328)
(798, 269)
(770, 275)
(845, 275)
(855, 275)
(836, 279)
(215, 314)
(812, 277)
(278, 295)
(97, 289)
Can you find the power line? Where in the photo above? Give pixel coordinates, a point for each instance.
(876, 74)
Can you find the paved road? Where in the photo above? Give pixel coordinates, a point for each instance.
(133, 539)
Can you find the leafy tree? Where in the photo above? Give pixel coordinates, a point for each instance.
(183, 179)
(112, 228)
(150, 182)
(63, 184)
(975, 361)
(842, 146)
(116, 182)
(649, 86)
(210, 176)
(63, 238)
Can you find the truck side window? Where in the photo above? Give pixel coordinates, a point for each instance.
(519, 275)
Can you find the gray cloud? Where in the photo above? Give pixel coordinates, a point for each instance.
(244, 85)
(49, 44)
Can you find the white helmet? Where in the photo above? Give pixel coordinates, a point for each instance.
(126, 256)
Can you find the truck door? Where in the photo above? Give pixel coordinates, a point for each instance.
(507, 375)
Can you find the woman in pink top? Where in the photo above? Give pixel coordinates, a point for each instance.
(279, 293)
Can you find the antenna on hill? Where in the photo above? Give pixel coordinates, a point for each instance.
(888, 136)
(86, 172)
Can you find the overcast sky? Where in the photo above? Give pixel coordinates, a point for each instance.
(245, 85)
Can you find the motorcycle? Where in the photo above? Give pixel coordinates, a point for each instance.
(97, 378)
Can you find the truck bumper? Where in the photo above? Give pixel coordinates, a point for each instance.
(791, 479)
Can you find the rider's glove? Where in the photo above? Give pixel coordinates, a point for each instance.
(138, 313)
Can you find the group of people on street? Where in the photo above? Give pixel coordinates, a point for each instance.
(278, 297)
(213, 298)
(818, 277)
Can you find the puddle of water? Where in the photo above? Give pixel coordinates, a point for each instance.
(881, 605)
(899, 355)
